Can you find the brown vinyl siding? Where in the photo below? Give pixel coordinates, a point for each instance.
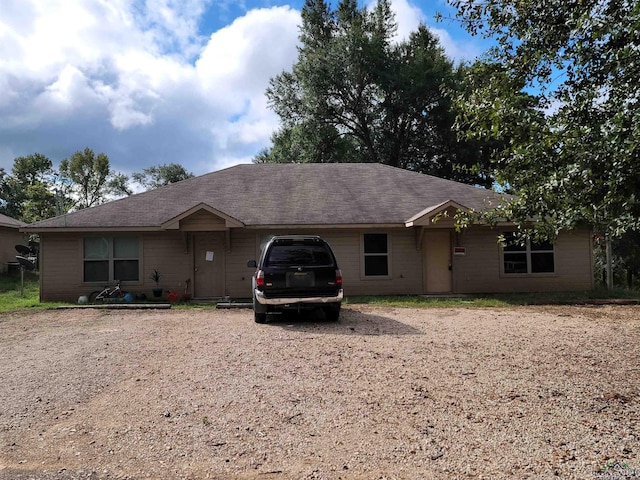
(479, 271)
(62, 265)
(243, 248)
(202, 221)
(405, 260)
(9, 238)
(405, 266)
(171, 252)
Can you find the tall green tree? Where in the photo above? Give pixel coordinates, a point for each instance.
(26, 193)
(90, 179)
(357, 95)
(159, 175)
(573, 153)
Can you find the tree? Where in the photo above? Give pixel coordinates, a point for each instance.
(157, 176)
(627, 249)
(91, 179)
(308, 143)
(573, 154)
(356, 95)
(26, 194)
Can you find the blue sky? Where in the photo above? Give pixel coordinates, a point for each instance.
(157, 81)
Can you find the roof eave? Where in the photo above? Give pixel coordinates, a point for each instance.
(29, 229)
(319, 226)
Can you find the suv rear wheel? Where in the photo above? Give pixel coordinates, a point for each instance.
(259, 315)
(332, 313)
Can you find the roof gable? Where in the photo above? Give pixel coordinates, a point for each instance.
(201, 211)
(431, 214)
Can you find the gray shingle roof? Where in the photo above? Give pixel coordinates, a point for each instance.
(9, 222)
(286, 194)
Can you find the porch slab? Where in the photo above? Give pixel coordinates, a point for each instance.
(120, 306)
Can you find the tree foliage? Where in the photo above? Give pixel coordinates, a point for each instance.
(357, 95)
(157, 176)
(560, 88)
(25, 194)
(91, 179)
(626, 250)
(35, 190)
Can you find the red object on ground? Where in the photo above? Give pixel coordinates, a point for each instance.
(172, 297)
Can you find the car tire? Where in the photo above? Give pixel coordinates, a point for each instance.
(259, 313)
(332, 314)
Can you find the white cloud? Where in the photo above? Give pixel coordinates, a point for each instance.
(249, 51)
(125, 73)
(408, 17)
(67, 93)
(137, 80)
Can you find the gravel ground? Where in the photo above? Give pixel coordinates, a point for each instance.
(385, 393)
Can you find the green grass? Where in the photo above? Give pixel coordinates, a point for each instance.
(11, 299)
(497, 300)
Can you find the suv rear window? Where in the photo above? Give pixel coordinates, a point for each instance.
(298, 255)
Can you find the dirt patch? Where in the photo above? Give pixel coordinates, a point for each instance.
(535, 392)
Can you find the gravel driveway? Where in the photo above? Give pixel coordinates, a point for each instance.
(385, 393)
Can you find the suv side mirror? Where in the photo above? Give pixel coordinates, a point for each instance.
(252, 263)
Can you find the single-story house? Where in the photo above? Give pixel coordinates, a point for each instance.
(10, 236)
(391, 230)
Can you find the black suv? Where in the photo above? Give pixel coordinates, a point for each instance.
(296, 272)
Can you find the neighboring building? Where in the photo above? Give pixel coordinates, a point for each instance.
(380, 221)
(10, 236)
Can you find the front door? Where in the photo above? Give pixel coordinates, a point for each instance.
(437, 261)
(208, 264)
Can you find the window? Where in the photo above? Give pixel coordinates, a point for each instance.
(298, 254)
(111, 258)
(530, 258)
(376, 255)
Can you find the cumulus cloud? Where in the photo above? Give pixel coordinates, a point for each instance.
(141, 82)
(139, 70)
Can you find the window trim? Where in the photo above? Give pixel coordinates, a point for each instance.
(365, 277)
(528, 252)
(111, 259)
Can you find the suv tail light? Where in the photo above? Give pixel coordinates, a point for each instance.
(260, 279)
(338, 277)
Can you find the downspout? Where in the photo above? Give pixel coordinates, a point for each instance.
(608, 256)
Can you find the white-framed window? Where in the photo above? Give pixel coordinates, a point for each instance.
(375, 248)
(110, 258)
(531, 258)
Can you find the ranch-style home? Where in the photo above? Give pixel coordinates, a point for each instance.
(391, 230)
(10, 236)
